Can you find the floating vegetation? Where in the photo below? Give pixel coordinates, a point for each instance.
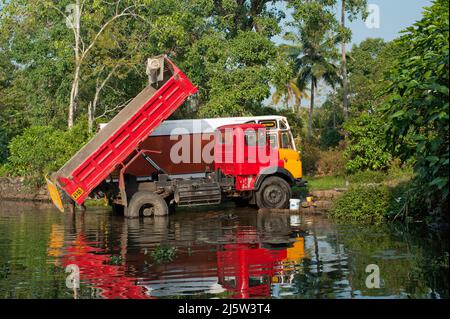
(163, 254)
(115, 260)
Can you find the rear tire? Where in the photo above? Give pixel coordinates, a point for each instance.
(274, 192)
(146, 204)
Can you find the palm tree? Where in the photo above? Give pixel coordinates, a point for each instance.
(314, 54)
(290, 93)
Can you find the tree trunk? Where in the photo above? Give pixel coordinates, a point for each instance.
(297, 106)
(76, 77)
(90, 118)
(74, 96)
(93, 105)
(344, 65)
(311, 108)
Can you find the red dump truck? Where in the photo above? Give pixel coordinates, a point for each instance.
(246, 165)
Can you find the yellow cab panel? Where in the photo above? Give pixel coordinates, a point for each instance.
(292, 161)
(280, 136)
(290, 156)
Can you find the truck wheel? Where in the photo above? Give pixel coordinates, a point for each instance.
(146, 204)
(274, 192)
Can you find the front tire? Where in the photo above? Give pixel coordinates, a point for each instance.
(274, 192)
(146, 204)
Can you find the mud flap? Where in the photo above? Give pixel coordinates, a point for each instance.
(54, 194)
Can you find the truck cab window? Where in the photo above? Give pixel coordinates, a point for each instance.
(285, 140)
(273, 140)
(250, 137)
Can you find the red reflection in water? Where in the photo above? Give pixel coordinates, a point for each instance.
(94, 268)
(246, 269)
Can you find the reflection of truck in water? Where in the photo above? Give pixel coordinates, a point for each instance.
(253, 161)
(238, 261)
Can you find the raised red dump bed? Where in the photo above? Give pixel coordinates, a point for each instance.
(116, 141)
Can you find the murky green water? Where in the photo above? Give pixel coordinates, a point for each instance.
(225, 253)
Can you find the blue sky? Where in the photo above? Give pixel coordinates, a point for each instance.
(395, 15)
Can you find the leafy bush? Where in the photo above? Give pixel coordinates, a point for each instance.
(330, 138)
(318, 162)
(3, 170)
(43, 149)
(310, 156)
(331, 162)
(366, 204)
(411, 203)
(375, 203)
(367, 149)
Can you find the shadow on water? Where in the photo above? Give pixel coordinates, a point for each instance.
(208, 252)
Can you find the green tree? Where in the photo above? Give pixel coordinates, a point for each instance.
(417, 108)
(38, 85)
(327, 121)
(314, 51)
(287, 88)
(368, 64)
(367, 148)
(90, 23)
(350, 9)
(290, 93)
(95, 67)
(233, 61)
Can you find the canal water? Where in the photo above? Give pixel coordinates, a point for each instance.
(214, 253)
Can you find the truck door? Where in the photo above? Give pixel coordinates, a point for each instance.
(289, 155)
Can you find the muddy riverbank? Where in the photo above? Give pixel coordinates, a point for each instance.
(15, 188)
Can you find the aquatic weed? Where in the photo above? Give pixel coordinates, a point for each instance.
(163, 254)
